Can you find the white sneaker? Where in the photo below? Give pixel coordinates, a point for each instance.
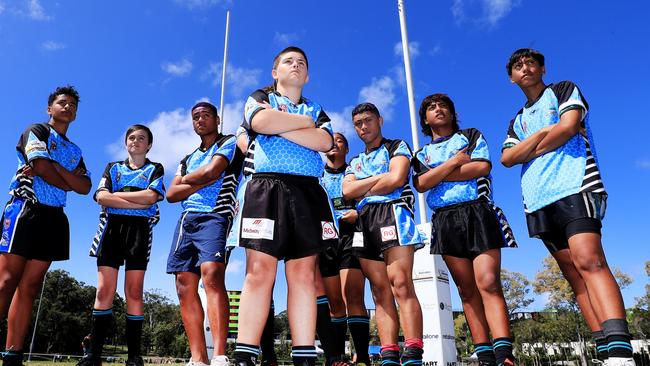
(620, 361)
(596, 361)
(220, 361)
(195, 363)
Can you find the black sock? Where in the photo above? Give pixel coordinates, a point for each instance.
(485, 354)
(101, 322)
(340, 325)
(601, 345)
(134, 334)
(303, 355)
(267, 343)
(360, 331)
(12, 357)
(618, 338)
(390, 358)
(412, 356)
(324, 327)
(245, 354)
(502, 349)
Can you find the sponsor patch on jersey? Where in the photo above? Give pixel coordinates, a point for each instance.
(388, 233)
(328, 230)
(35, 146)
(257, 228)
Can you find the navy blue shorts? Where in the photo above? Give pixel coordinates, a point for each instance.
(199, 237)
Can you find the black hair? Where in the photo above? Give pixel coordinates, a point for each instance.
(343, 138)
(207, 105)
(365, 107)
(276, 59)
(138, 127)
(521, 53)
(436, 98)
(63, 90)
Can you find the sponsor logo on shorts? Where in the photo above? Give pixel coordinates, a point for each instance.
(328, 230)
(388, 233)
(53, 146)
(7, 223)
(283, 107)
(257, 228)
(357, 240)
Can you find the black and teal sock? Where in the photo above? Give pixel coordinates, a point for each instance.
(601, 345)
(101, 322)
(12, 357)
(502, 349)
(324, 328)
(267, 343)
(412, 356)
(134, 334)
(303, 355)
(618, 338)
(390, 355)
(245, 354)
(340, 325)
(360, 331)
(485, 354)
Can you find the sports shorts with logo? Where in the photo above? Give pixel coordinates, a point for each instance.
(383, 226)
(286, 216)
(123, 239)
(574, 214)
(199, 237)
(341, 255)
(35, 231)
(467, 229)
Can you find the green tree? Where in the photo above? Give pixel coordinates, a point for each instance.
(516, 290)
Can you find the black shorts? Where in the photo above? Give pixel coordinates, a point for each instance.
(341, 255)
(574, 214)
(468, 229)
(123, 239)
(286, 216)
(35, 231)
(383, 226)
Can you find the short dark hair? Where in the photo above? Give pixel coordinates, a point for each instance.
(63, 90)
(343, 138)
(435, 98)
(521, 53)
(276, 59)
(137, 127)
(365, 107)
(207, 105)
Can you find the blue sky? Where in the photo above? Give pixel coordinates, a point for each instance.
(149, 61)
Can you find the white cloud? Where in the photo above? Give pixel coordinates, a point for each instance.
(643, 164)
(35, 11)
(174, 136)
(285, 39)
(414, 49)
(482, 12)
(201, 4)
(381, 93)
(238, 79)
(52, 46)
(342, 122)
(235, 267)
(180, 68)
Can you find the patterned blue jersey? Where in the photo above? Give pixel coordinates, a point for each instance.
(120, 177)
(332, 181)
(218, 196)
(440, 150)
(377, 161)
(41, 141)
(275, 154)
(571, 168)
